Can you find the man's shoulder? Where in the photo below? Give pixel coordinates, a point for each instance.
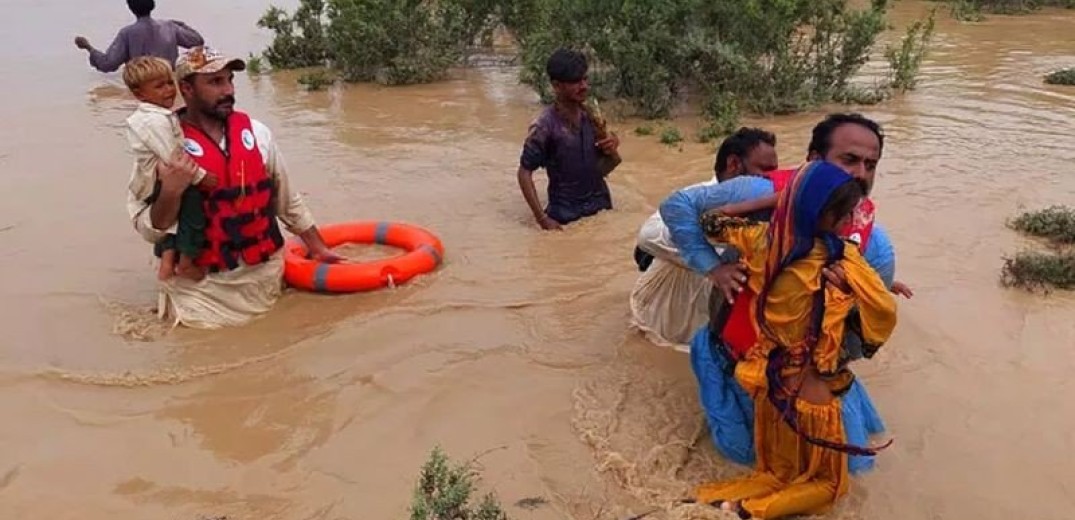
(546, 117)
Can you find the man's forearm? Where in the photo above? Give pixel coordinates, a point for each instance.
(165, 210)
(526, 184)
(312, 238)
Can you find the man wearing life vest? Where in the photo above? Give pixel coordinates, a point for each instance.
(849, 140)
(241, 257)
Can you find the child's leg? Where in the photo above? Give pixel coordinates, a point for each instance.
(167, 267)
(190, 233)
(165, 250)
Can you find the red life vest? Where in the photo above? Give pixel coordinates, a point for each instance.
(240, 216)
(739, 333)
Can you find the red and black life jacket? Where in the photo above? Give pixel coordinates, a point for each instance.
(240, 213)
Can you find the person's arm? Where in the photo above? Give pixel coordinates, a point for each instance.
(859, 317)
(185, 36)
(290, 207)
(747, 207)
(682, 214)
(116, 55)
(533, 157)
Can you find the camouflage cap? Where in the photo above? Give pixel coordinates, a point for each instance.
(205, 60)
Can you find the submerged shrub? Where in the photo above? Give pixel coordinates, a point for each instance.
(444, 491)
(1037, 270)
(1055, 269)
(1056, 223)
(1061, 77)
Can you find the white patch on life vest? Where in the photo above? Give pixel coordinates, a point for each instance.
(192, 147)
(856, 238)
(248, 139)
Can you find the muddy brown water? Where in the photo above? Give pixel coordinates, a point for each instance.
(518, 349)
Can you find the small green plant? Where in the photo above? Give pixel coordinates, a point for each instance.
(444, 492)
(1033, 270)
(646, 129)
(254, 65)
(670, 136)
(905, 60)
(1061, 77)
(1036, 270)
(316, 80)
(1055, 223)
(721, 111)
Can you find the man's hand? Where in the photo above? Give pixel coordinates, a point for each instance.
(210, 181)
(177, 172)
(901, 289)
(82, 43)
(837, 277)
(729, 279)
(610, 144)
(325, 255)
(548, 223)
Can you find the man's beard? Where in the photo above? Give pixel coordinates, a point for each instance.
(221, 109)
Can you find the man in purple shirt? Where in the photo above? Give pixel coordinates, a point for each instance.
(145, 37)
(564, 140)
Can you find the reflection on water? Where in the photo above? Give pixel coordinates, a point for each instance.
(325, 408)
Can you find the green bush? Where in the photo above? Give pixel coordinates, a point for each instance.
(444, 490)
(767, 56)
(1055, 223)
(1061, 77)
(762, 56)
(972, 10)
(1033, 270)
(299, 39)
(401, 42)
(905, 60)
(1036, 270)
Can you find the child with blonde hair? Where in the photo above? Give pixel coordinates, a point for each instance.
(153, 135)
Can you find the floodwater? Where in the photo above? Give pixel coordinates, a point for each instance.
(517, 352)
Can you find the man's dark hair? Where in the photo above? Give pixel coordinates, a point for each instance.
(740, 144)
(566, 66)
(141, 8)
(821, 140)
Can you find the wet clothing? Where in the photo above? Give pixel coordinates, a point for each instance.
(233, 297)
(729, 410)
(801, 447)
(146, 37)
(189, 238)
(153, 133)
(577, 187)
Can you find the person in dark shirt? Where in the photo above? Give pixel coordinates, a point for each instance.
(571, 143)
(147, 36)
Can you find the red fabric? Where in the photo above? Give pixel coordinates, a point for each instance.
(240, 222)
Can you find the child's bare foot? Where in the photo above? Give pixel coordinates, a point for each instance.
(735, 507)
(187, 269)
(167, 267)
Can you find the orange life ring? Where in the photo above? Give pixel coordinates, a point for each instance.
(424, 254)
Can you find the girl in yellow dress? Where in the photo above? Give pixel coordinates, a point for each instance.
(806, 281)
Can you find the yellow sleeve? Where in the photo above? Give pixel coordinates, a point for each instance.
(876, 306)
